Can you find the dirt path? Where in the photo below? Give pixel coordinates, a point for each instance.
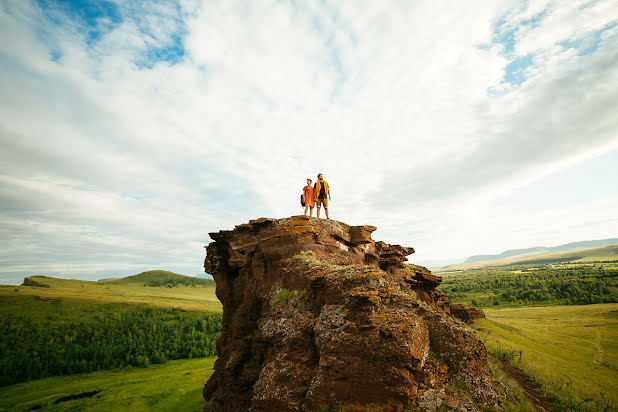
(538, 398)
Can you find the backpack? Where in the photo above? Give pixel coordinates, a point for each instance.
(302, 200)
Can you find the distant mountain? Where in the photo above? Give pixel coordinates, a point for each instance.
(601, 254)
(514, 253)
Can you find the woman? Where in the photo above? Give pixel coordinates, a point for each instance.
(309, 201)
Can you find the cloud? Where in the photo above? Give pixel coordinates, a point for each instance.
(129, 131)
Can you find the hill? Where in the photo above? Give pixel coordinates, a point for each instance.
(161, 278)
(515, 253)
(148, 278)
(601, 254)
(154, 288)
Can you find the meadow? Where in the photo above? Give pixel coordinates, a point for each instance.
(175, 386)
(570, 351)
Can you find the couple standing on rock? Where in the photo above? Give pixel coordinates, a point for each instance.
(319, 192)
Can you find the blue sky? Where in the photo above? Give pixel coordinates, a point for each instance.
(130, 130)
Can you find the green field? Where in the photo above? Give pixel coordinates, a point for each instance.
(175, 386)
(572, 351)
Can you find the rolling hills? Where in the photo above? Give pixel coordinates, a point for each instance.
(153, 288)
(600, 254)
(515, 253)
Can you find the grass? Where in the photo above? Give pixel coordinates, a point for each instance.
(175, 386)
(158, 276)
(516, 401)
(572, 351)
(117, 291)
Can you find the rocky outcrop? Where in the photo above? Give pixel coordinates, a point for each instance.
(317, 314)
(31, 282)
(466, 313)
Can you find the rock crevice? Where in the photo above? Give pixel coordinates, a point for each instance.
(316, 313)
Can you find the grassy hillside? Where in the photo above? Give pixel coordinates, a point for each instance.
(183, 292)
(572, 351)
(161, 278)
(586, 244)
(602, 254)
(175, 386)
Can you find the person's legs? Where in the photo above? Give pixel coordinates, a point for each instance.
(317, 213)
(310, 212)
(324, 202)
(306, 207)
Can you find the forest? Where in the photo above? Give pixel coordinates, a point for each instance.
(533, 285)
(36, 348)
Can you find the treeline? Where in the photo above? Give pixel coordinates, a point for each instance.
(527, 285)
(173, 282)
(37, 349)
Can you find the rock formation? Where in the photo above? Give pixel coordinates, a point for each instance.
(317, 314)
(466, 313)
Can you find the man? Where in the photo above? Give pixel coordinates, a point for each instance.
(321, 193)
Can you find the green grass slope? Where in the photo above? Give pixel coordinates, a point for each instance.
(160, 276)
(572, 351)
(602, 254)
(175, 386)
(180, 291)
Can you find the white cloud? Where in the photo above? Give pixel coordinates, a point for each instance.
(103, 146)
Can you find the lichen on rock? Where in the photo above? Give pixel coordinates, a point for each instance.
(316, 313)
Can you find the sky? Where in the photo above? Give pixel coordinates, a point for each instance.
(130, 130)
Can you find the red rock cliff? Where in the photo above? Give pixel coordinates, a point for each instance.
(316, 313)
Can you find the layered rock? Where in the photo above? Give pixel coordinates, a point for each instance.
(466, 313)
(316, 313)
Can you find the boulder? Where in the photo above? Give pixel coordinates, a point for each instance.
(466, 313)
